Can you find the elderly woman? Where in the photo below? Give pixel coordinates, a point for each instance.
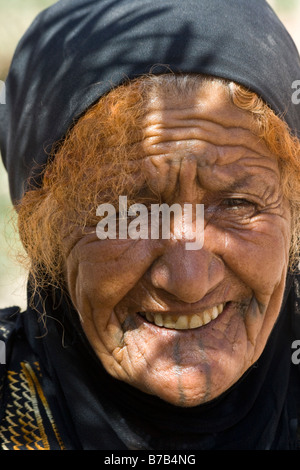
(137, 342)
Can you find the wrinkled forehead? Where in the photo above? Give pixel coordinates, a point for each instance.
(201, 111)
(203, 126)
(180, 119)
(150, 116)
(168, 99)
(198, 103)
(207, 95)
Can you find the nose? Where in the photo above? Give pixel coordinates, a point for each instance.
(187, 274)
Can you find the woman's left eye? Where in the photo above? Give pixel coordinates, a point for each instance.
(238, 203)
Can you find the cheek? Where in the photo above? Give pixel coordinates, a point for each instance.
(96, 270)
(257, 254)
(100, 274)
(94, 287)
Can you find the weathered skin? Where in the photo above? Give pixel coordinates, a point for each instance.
(196, 150)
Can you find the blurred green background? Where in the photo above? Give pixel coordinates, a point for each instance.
(16, 16)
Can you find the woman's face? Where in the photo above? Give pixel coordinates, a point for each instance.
(180, 324)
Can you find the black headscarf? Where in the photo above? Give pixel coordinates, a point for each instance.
(74, 53)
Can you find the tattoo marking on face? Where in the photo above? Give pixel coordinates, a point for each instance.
(129, 324)
(256, 305)
(177, 359)
(207, 373)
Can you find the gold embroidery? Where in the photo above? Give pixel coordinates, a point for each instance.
(23, 427)
(45, 403)
(28, 372)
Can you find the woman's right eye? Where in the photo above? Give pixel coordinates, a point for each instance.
(234, 209)
(237, 203)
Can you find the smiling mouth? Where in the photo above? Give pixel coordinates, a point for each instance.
(184, 322)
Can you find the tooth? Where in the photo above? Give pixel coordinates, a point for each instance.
(195, 321)
(206, 317)
(158, 319)
(220, 308)
(214, 313)
(149, 317)
(182, 323)
(168, 322)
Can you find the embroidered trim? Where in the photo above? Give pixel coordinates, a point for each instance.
(28, 420)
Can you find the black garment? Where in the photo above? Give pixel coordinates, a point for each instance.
(84, 408)
(77, 50)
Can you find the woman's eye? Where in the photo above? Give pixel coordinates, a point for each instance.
(238, 203)
(231, 209)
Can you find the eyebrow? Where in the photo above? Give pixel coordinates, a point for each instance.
(257, 187)
(238, 184)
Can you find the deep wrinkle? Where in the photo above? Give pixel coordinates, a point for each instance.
(177, 359)
(207, 372)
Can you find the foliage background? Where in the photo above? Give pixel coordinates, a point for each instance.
(16, 16)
